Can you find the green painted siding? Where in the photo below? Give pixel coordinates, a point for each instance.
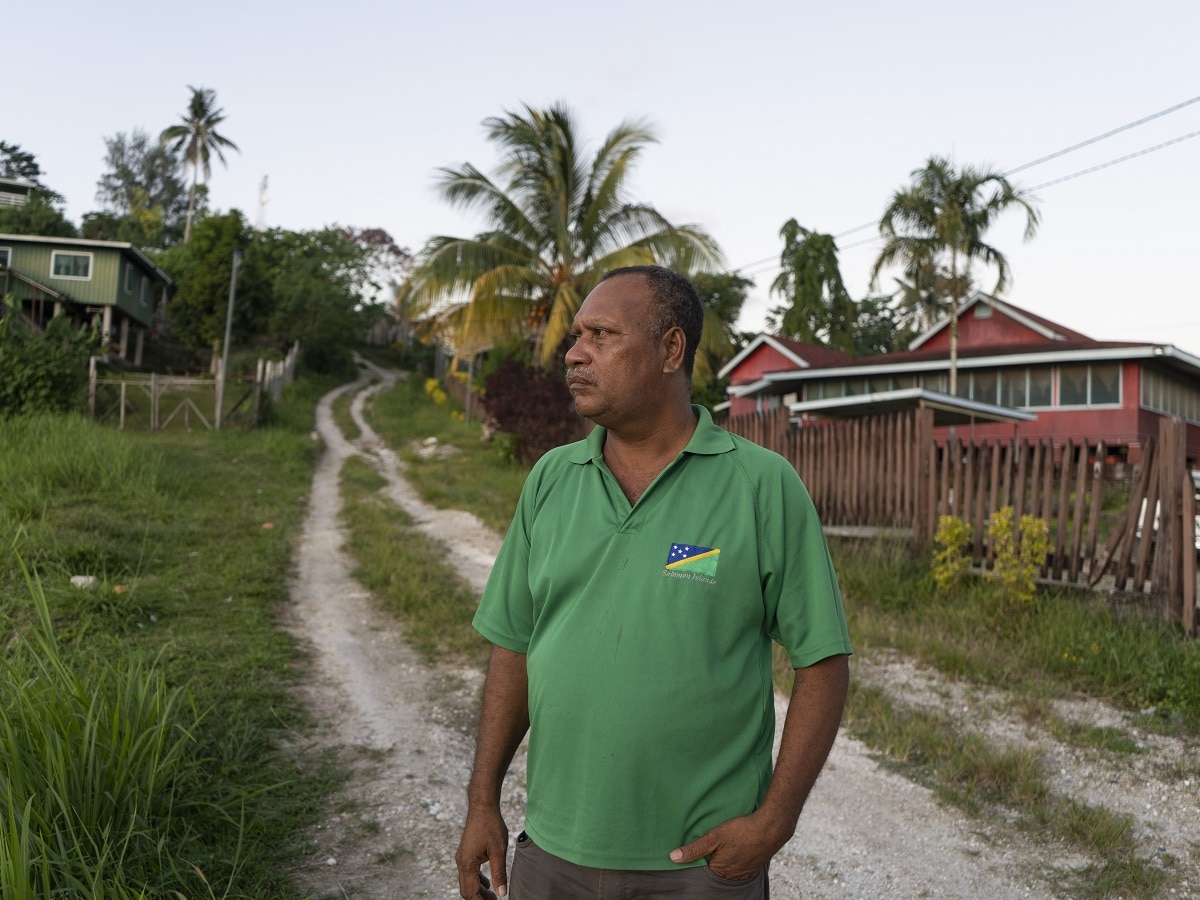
(104, 287)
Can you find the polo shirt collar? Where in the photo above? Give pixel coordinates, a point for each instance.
(707, 440)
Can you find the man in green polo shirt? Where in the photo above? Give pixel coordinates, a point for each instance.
(632, 609)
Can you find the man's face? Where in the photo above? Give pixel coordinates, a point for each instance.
(615, 366)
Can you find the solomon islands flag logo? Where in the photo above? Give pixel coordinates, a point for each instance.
(693, 560)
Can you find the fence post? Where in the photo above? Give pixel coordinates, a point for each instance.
(91, 387)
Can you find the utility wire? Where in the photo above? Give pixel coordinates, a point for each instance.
(1030, 165)
(1113, 162)
(1100, 137)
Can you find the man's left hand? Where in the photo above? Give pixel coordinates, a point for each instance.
(736, 849)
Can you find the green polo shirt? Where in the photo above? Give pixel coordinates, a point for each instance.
(647, 632)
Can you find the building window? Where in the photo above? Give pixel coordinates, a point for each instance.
(1014, 387)
(77, 266)
(985, 385)
(983, 311)
(5, 256)
(1165, 394)
(145, 290)
(1098, 384)
(1072, 386)
(1041, 386)
(1104, 384)
(128, 278)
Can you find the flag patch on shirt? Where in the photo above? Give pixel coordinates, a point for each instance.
(693, 560)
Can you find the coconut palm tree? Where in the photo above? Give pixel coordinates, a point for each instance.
(196, 139)
(557, 219)
(940, 220)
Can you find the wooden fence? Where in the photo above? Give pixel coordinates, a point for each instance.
(1133, 533)
(158, 402)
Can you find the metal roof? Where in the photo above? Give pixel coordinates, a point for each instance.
(947, 409)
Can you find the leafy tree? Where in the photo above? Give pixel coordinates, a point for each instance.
(320, 283)
(196, 139)
(41, 214)
(44, 372)
(557, 220)
(143, 194)
(18, 163)
(202, 271)
(723, 295)
(941, 219)
(878, 327)
(818, 308)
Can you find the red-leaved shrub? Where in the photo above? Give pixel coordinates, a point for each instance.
(534, 405)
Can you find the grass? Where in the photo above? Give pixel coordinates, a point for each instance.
(406, 571)
(152, 709)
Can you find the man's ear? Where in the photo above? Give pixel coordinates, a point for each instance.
(673, 346)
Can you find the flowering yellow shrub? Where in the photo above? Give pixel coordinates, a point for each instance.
(1018, 553)
(950, 561)
(433, 388)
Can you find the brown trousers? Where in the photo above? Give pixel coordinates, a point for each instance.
(537, 875)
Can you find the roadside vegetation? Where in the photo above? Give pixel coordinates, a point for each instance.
(144, 716)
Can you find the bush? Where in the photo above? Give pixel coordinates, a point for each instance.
(1019, 553)
(534, 405)
(42, 372)
(950, 561)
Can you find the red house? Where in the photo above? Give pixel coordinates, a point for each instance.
(1018, 375)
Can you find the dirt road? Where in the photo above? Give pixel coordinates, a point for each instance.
(404, 733)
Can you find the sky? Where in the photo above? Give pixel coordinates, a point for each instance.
(764, 111)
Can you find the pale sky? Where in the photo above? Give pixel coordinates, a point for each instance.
(764, 111)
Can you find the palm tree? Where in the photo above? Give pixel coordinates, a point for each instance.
(556, 222)
(940, 220)
(196, 139)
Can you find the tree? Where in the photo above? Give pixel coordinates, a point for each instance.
(195, 139)
(18, 163)
(143, 193)
(819, 309)
(202, 271)
(39, 214)
(941, 219)
(723, 295)
(557, 220)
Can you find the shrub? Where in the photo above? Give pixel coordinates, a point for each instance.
(533, 404)
(42, 372)
(950, 561)
(1019, 553)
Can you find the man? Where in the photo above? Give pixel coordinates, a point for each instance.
(631, 610)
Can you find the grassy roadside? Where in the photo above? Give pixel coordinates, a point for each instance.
(188, 538)
(1063, 644)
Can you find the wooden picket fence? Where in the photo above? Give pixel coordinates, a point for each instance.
(1129, 533)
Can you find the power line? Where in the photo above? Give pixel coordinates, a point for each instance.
(1100, 137)
(1030, 165)
(1120, 159)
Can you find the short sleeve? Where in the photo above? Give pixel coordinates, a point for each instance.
(800, 589)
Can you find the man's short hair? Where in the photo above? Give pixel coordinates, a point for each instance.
(676, 304)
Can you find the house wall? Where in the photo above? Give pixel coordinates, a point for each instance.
(105, 287)
(764, 359)
(973, 331)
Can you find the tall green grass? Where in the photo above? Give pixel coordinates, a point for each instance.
(102, 775)
(148, 720)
